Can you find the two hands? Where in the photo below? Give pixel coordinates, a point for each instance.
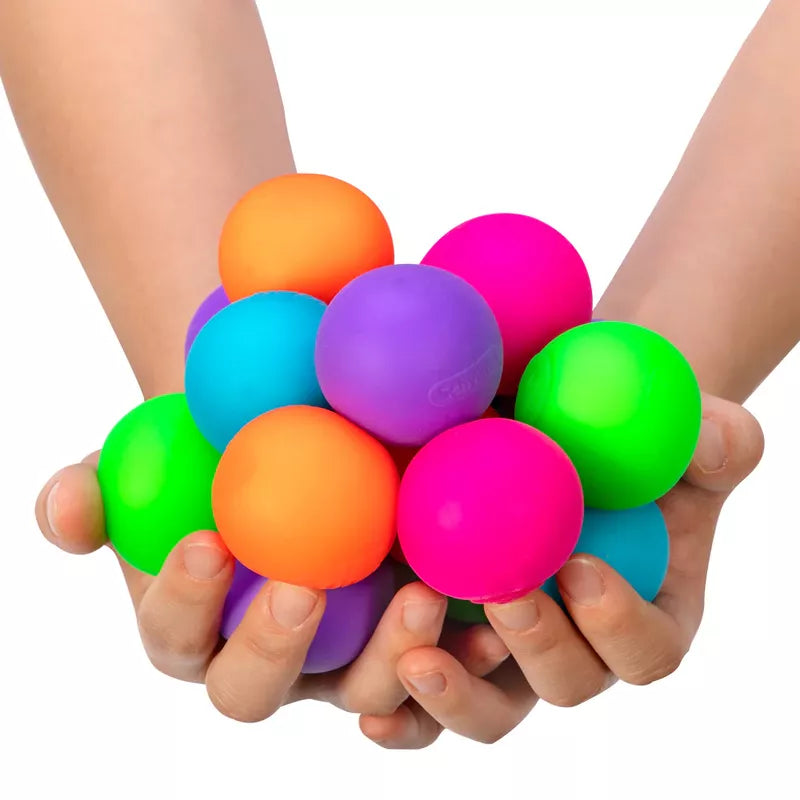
(418, 674)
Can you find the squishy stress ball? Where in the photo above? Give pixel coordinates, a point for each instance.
(489, 510)
(351, 615)
(215, 302)
(252, 356)
(306, 497)
(622, 402)
(407, 351)
(533, 279)
(634, 542)
(155, 473)
(302, 233)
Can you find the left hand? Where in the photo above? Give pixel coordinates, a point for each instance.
(611, 633)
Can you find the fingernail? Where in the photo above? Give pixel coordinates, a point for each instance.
(291, 605)
(521, 615)
(710, 455)
(419, 617)
(204, 561)
(428, 683)
(580, 580)
(51, 509)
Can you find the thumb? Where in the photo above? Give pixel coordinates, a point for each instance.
(730, 446)
(69, 508)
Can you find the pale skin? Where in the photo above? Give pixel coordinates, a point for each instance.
(142, 197)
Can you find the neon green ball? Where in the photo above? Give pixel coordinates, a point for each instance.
(622, 402)
(155, 475)
(466, 611)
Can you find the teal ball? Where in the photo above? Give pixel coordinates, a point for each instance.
(634, 542)
(253, 356)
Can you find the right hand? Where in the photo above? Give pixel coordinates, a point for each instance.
(258, 669)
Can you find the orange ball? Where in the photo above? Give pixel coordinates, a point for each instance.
(302, 233)
(303, 496)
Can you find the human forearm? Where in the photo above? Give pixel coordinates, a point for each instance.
(145, 121)
(717, 266)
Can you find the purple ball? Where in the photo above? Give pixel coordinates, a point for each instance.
(351, 615)
(215, 302)
(408, 351)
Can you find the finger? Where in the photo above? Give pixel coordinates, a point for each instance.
(473, 707)
(137, 582)
(693, 507)
(730, 446)
(410, 727)
(639, 641)
(179, 614)
(370, 685)
(252, 675)
(478, 648)
(69, 510)
(559, 664)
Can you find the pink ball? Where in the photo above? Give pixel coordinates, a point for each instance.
(489, 510)
(533, 279)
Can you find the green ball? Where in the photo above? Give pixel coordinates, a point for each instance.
(155, 475)
(622, 402)
(466, 611)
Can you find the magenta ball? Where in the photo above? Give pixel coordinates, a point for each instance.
(533, 279)
(215, 302)
(488, 511)
(351, 615)
(408, 351)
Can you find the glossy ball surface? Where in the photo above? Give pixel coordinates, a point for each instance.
(301, 233)
(622, 402)
(155, 473)
(306, 497)
(533, 279)
(253, 356)
(489, 510)
(407, 351)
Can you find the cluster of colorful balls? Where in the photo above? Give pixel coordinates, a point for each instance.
(339, 406)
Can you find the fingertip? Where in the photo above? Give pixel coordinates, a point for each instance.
(202, 556)
(69, 510)
(419, 592)
(383, 729)
(423, 660)
(408, 728)
(479, 648)
(588, 585)
(729, 447)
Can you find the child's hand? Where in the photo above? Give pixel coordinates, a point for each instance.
(615, 633)
(257, 670)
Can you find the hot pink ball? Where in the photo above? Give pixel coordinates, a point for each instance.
(489, 510)
(533, 279)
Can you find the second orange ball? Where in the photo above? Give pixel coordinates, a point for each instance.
(302, 233)
(303, 496)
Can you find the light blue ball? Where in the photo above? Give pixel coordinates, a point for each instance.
(633, 541)
(255, 355)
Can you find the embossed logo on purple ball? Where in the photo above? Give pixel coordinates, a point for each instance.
(475, 378)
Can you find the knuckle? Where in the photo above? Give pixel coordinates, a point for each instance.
(267, 649)
(361, 699)
(660, 667)
(164, 642)
(541, 642)
(494, 736)
(571, 697)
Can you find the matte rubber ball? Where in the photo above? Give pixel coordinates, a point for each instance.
(306, 497)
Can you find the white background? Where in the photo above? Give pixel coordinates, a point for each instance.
(577, 119)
